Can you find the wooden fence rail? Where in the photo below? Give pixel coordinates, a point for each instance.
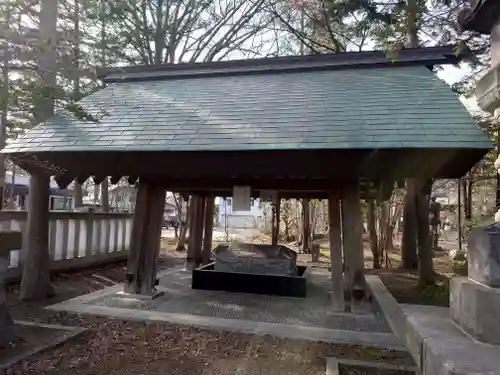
(76, 239)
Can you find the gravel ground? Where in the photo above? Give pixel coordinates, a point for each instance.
(28, 338)
(138, 348)
(119, 347)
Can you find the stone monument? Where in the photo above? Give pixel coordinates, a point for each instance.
(256, 259)
(8, 241)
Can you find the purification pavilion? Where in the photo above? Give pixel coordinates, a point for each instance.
(339, 126)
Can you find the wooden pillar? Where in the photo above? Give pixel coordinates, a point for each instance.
(306, 222)
(209, 224)
(337, 296)
(200, 210)
(105, 194)
(276, 222)
(35, 283)
(193, 213)
(145, 240)
(353, 239)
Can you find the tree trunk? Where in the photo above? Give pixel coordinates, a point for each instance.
(372, 231)
(409, 241)
(426, 269)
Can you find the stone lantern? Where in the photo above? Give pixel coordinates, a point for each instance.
(483, 16)
(475, 301)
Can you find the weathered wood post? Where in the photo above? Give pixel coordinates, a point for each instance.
(209, 223)
(276, 222)
(353, 241)
(145, 240)
(198, 237)
(193, 217)
(306, 223)
(337, 296)
(35, 283)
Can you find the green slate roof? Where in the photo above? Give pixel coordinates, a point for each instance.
(387, 107)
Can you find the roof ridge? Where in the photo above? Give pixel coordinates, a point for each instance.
(428, 56)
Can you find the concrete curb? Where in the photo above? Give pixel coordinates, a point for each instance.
(388, 305)
(333, 363)
(71, 332)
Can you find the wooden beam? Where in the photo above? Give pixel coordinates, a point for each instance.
(337, 296)
(209, 222)
(98, 179)
(81, 179)
(63, 181)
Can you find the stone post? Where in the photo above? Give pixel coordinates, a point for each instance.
(7, 333)
(8, 241)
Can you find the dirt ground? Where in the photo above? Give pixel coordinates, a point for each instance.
(119, 347)
(403, 284)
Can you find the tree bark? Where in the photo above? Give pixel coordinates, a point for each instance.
(372, 230)
(35, 283)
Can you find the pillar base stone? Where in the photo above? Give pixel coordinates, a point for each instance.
(146, 297)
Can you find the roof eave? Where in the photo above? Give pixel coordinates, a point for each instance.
(441, 55)
(482, 17)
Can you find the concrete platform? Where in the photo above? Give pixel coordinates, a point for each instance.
(443, 348)
(437, 345)
(308, 318)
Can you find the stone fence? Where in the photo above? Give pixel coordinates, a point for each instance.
(76, 239)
